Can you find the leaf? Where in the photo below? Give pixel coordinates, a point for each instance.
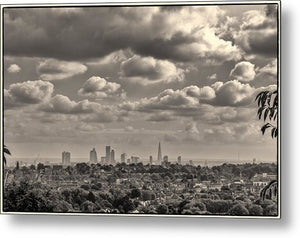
(5, 150)
(266, 113)
(263, 129)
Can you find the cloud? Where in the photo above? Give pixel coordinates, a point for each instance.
(232, 93)
(178, 34)
(97, 87)
(191, 128)
(147, 70)
(258, 32)
(162, 116)
(25, 93)
(52, 69)
(14, 68)
(62, 104)
(243, 71)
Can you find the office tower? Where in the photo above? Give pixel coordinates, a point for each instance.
(254, 161)
(93, 156)
(135, 159)
(166, 158)
(107, 154)
(159, 157)
(66, 158)
(112, 157)
(103, 159)
(191, 162)
(123, 158)
(151, 160)
(179, 160)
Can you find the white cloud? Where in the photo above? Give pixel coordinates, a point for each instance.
(243, 71)
(97, 87)
(62, 104)
(232, 93)
(147, 70)
(52, 69)
(29, 92)
(14, 68)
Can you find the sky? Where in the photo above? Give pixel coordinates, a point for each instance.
(77, 78)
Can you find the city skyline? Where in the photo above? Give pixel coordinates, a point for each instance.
(189, 85)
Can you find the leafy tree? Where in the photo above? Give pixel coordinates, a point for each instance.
(238, 210)
(135, 193)
(5, 152)
(267, 102)
(255, 210)
(87, 206)
(162, 209)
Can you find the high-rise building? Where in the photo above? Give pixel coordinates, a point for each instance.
(159, 156)
(166, 158)
(103, 159)
(135, 159)
(179, 160)
(93, 156)
(123, 158)
(151, 160)
(66, 158)
(191, 162)
(107, 154)
(112, 157)
(254, 161)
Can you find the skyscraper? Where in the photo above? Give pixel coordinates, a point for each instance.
(123, 158)
(151, 160)
(166, 158)
(179, 160)
(112, 157)
(159, 157)
(93, 156)
(66, 158)
(107, 154)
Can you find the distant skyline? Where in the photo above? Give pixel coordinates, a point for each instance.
(129, 77)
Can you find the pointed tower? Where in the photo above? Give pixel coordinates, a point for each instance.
(159, 157)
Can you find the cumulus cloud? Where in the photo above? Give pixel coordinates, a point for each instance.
(232, 93)
(193, 101)
(14, 68)
(25, 93)
(97, 87)
(179, 34)
(52, 69)
(62, 104)
(243, 71)
(258, 32)
(147, 70)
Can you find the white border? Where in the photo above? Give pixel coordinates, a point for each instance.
(278, 2)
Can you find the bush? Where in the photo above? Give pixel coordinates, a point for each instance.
(162, 209)
(255, 210)
(238, 210)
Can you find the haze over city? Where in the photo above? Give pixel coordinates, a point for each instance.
(131, 77)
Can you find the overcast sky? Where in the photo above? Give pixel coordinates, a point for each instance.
(129, 77)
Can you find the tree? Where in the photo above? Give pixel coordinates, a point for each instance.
(238, 210)
(255, 210)
(5, 152)
(267, 102)
(162, 209)
(135, 193)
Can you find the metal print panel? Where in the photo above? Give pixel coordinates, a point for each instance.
(151, 109)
